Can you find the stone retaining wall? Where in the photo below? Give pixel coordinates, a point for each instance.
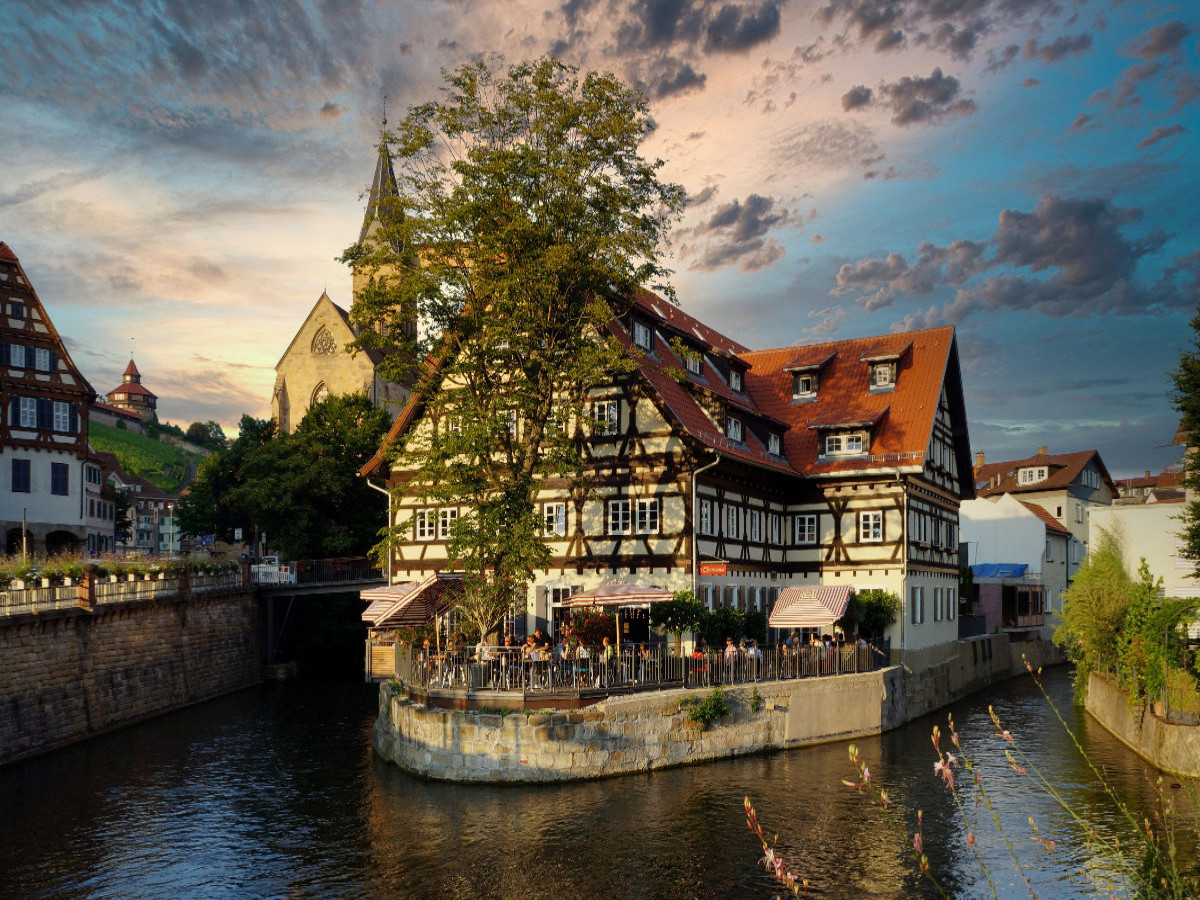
(648, 731)
(70, 674)
(1170, 747)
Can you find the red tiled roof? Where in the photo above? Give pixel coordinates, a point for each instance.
(6, 251)
(132, 387)
(1052, 524)
(670, 314)
(132, 369)
(116, 411)
(1062, 470)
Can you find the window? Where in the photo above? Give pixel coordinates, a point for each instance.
(16, 309)
(937, 604)
(804, 387)
(918, 605)
(60, 479)
(1031, 475)
(695, 363)
(618, 517)
(843, 444)
(733, 428)
(706, 517)
(733, 522)
(1049, 552)
(16, 356)
(641, 334)
(647, 516)
(20, 476)
(606, 413)
(870, 527)
(735, 380)
(951, 603)
(555, 515)
(510, 425)
(62, 416)
(775, 528)
(806, 528)
(754, 521)
(883, 375)
(28, 415)
(41, 359)
(1078, 512)
(423, 524)
(773, 444)
(446, 519)
(1058, 512)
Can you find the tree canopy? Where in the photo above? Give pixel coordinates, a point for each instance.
(1186, 397)
(207, 434)
(302, 489)
(524, 213)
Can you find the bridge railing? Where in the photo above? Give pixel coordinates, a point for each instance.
(316, 572)
(19, 598)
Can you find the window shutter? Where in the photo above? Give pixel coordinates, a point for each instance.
(53, 361)
(14, 412)
(45, 414)
(4, 357)
(74, 419)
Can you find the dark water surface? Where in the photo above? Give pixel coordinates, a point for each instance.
(275, 792)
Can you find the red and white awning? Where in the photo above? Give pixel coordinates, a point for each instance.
(410, 603)
(814, 607)
(618, 593)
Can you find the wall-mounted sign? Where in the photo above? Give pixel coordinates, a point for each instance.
(714, 568)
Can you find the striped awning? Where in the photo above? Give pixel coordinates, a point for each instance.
(618, 593)
(814, 607)
(410, 603)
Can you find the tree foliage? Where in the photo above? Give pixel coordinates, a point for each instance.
(524, 213)
(681, 613)
(206, 434)
(870, 612)
(302, 489)
(1186, 397)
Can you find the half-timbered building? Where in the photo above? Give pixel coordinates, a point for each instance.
(43, 423)
(739, 472)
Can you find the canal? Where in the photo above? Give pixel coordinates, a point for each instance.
(275, 792)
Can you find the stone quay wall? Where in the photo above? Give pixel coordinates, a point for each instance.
(1167, 746)
(70, 674)
(641, 732)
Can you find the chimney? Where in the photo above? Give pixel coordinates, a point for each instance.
(1147, 473)
(979, 458)
(1043, 451)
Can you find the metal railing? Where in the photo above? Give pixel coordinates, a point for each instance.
(592, 669)
(107, 591)
(311, 572)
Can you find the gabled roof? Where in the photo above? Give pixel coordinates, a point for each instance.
(374, 356)
(1062, 471)
(1052, 524)
(6, 251)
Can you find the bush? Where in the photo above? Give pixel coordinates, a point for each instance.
(705, 712)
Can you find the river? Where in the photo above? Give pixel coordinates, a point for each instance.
(275, 792)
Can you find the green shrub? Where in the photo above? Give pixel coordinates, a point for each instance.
(756, 701)
(705, 712)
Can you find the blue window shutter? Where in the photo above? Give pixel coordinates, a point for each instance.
(74, 419)
(4, 354)
(45, 414)
(53, 361)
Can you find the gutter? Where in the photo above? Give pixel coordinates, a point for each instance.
(388, 494)
(695, 532)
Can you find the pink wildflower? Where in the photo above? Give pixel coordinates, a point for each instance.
(970, 839)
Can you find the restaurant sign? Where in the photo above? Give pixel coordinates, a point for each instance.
(714, 568)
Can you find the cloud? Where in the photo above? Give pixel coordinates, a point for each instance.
(919, 100)
(831, 145)
(737, 233)
(1164, 62)
(1161, 134)
(734, 29)
(857, 97)
(1058, 49)
(1066, 257)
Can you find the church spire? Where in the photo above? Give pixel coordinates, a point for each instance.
(383, 185)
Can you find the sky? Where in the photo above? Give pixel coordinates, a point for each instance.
(178, 179)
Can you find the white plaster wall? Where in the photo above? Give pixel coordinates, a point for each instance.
(1002, 532)
(1150, 531)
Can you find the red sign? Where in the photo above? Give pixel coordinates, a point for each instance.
(713, 568)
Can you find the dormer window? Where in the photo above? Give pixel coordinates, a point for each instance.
(641, 334)
(883, 376)
(695, 363)
(735, 380)
(773, 444)
(1031, 475)
(733, 429)
(847, 444)
(804, 387)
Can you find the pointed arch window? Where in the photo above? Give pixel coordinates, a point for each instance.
(319, 394)
(323, 343)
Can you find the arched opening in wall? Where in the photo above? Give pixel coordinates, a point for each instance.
(61, 542)
(12, 542)
(319, 394)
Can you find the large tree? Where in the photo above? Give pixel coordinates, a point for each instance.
(1186, 396)
(524, 213)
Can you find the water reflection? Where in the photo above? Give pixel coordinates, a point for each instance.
(275, 792)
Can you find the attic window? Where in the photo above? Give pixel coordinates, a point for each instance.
(773, 444)
(844, 444)
(733, 429)
(1031, 475)
(735, 380)
(804, 387)
(695, 363)
(883, 376)
(16, 310)
(641, 334)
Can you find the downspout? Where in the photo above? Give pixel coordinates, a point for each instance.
(695, 517)
(388, 494)
(905, 593)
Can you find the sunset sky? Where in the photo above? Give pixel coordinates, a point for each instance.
(178, 178)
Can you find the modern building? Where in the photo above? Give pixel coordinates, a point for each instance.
(741, 472)
(43, 424)
(132, 396)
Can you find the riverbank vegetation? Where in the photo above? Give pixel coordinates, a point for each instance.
(1116, 624)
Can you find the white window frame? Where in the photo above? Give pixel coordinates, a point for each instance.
(28, 412)
(706, 516)
(774, 444)
(620, 519)
(648, 519)
(804, 529)
(446, 519)
(16, 356)
(883, 375)
(1079, 513)
(775, 528)
(607, 414)
(844, 444)
(733, 429)
(735, 380)
(62, 416)
(554, 517)
(755, 525)
(694, 363)
(424, 524)
(804, 387)
(870, 526)
(733, 522)
(41, 359)
(642, 335)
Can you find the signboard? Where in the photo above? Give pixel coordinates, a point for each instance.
(714, 568)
